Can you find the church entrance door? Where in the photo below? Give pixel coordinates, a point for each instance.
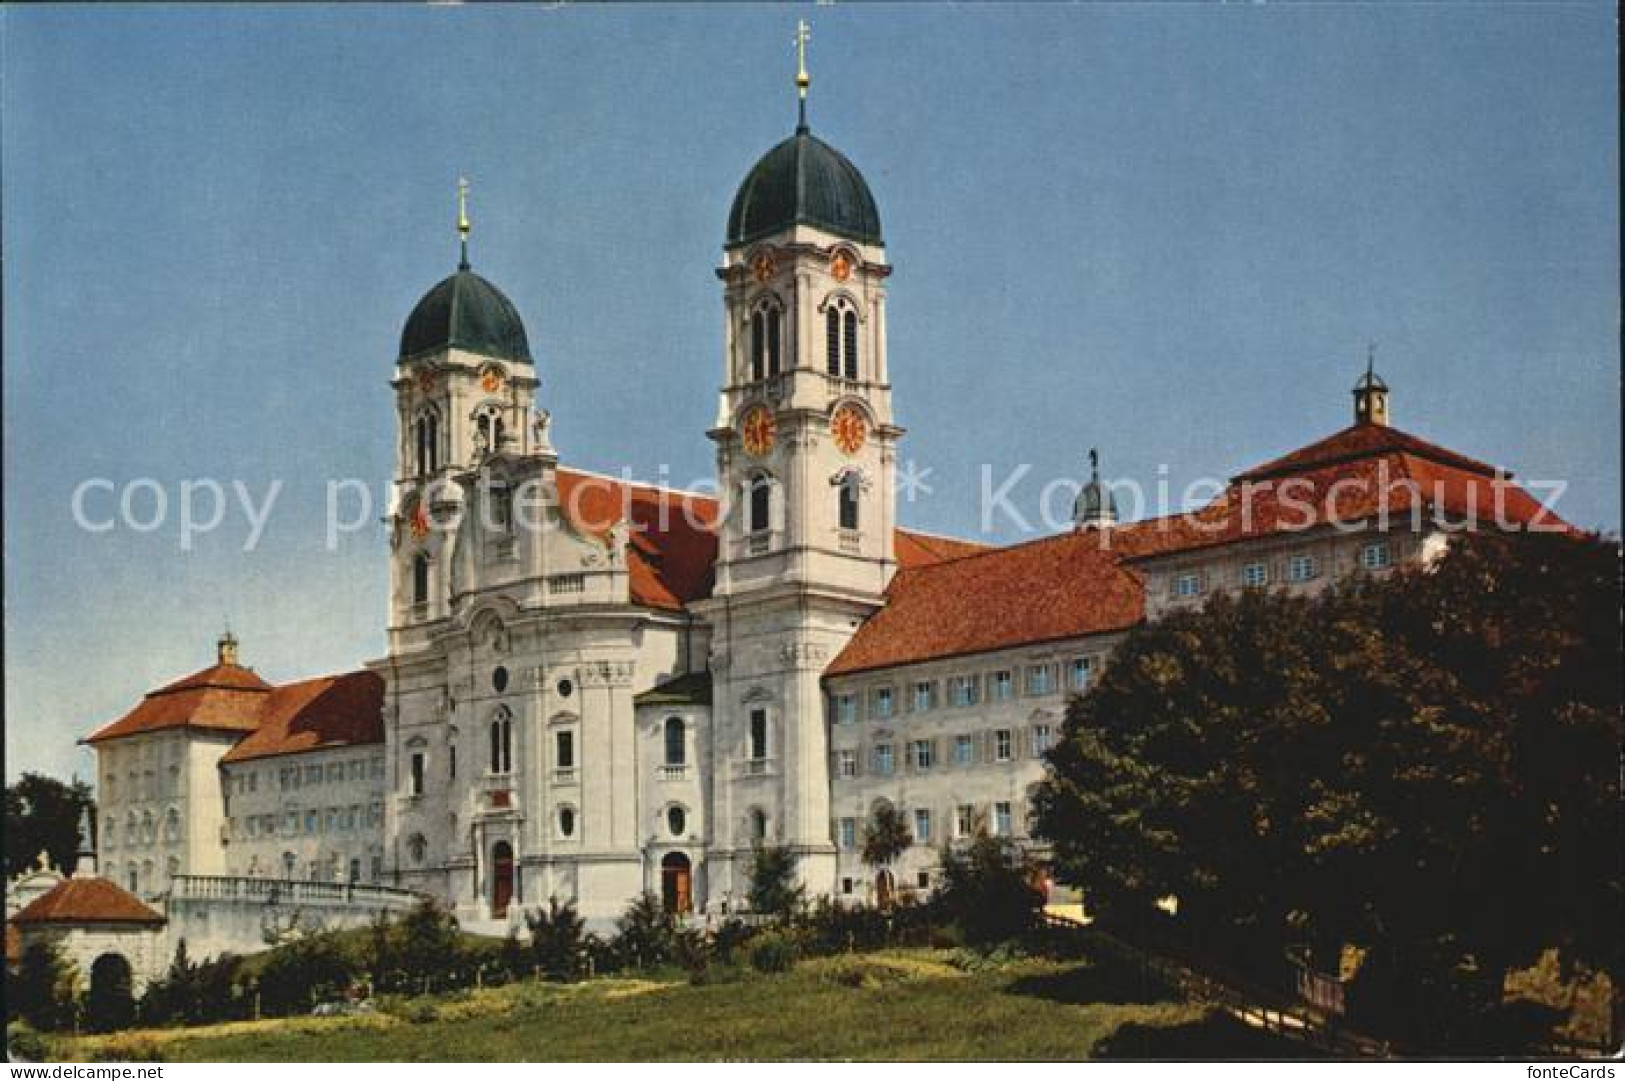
(501, 879)
(677, 884)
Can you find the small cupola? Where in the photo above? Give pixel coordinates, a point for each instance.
(225, 649)
(1371, 395)
(1096, 507)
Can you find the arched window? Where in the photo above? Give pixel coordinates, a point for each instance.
(841, 339)
(426, 432)
(832, 340)
(172, 825)
(502, 741)
(766, 324)
(676, 742)
(846, 495)
(758, 734)
(761, 503)
(489, 429)
(758, 824)
(420, 578)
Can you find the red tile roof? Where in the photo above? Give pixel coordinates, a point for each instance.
(1076, 584)
(84, 900)
(1363, 474)
(224, 698)
(314, 714)
(673, 548)
(673, 544)
(1058, 587)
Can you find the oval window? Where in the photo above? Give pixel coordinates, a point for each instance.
(565, 687)
(676, 821)
(499, 679)
(567, 822)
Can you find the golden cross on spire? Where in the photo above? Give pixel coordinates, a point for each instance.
(803, 80)
(464, 226)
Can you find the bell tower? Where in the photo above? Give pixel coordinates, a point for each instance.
(464, 387)
(806, 452)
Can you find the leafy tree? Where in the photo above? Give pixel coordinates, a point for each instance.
(302, 973)
(645, 933)
(46, 988)
(885, 836)
(1410, 765)
(42, 815)
(986, 889)
(426, 940)
(557, 943)
(774, 890)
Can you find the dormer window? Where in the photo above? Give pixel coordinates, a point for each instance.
(766, 330)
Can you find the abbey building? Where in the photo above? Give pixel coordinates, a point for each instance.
(595, 689)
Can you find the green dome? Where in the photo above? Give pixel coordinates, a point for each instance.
(804, 181)
(465, 312)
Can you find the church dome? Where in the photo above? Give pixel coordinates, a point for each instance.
(465, 312)
(804, 181)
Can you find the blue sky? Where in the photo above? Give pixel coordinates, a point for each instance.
(1165, 230)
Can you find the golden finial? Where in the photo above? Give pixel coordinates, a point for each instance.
(803, 80)
(464, 227)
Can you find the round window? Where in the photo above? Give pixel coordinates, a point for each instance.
(499, 679)
(676, 821)
(567, 822)
(565, 687)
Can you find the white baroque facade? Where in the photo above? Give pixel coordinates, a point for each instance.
(595, 689)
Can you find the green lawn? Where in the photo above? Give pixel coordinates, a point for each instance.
(897, 1004)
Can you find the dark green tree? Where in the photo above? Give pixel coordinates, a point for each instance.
(427, 943)
(885, 836)
(1407, 765)
(46, 989)
(42, 815)
(557, 940)
(986, 889)
(774, 890)
(646, 933)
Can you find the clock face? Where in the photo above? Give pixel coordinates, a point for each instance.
(419, 523)
(840, 267)
(491, 380)
(849, 430)
(758, 430)
(763, 266)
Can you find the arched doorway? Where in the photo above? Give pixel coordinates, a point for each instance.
(885, 888)
(677, 884)
(111, 1002)
(501, 879)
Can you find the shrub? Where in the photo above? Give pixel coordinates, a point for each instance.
(46, 988)
(987, 891)
(23, 1042)
(731, 937)
(305, 972)
(773, 952)
(427, 942)
(646, 934)
(557, 946)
